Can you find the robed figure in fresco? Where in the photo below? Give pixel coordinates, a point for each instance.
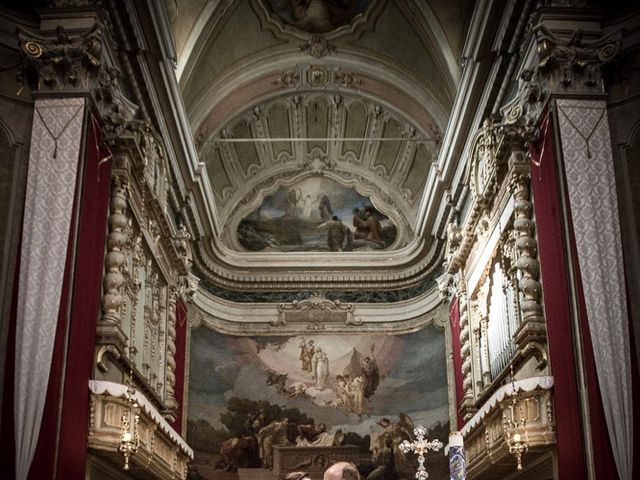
(371, 376)
(307, 351)
(320, 369)
(273, 434)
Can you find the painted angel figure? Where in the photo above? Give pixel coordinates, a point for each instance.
(385, 448)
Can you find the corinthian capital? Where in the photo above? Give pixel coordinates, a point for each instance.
(574, 65)
(60, 61)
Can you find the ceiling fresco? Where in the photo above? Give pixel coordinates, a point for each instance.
(316, 214)
(317, 16)
(303, 110)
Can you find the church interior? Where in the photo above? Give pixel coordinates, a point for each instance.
(242, 239)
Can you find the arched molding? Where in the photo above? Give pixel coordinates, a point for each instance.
(435, 35)
(213, 14)
(256, 79)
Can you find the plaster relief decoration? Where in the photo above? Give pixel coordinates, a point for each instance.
(316, 16)
(252, 396)
(316, 214)
(316, 311)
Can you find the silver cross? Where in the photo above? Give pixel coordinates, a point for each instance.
(421, 446)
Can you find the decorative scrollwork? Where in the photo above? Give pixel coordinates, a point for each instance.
(33, 49)
(316, 311)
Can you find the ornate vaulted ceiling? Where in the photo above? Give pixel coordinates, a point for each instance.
(300, 114)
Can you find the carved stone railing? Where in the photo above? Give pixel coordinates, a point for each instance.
(162, 453)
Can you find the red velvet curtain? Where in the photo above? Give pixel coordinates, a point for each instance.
(454, 316)
(85, 307)
(555, 269)
(181, 352)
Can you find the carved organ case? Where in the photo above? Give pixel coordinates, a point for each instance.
(146, 261)
(492, 269)
(146, 265)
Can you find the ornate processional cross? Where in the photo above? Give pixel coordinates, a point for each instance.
(420, 446)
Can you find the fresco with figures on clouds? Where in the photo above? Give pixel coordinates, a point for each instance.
(317, 16)
(316, 214)
(247, 394)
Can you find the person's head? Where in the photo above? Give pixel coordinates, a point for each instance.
(335, 218)
(342, 471)
(297, 476)
(385, 422)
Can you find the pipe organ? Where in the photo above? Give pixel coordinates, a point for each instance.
(491, 267)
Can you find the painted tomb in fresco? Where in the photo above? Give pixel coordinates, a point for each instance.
(248, 394)
(317, 16)
(316, 214)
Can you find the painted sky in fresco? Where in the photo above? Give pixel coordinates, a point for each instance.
(412, 369)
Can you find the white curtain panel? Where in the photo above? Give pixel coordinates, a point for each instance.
(588, 160)
(51, 182)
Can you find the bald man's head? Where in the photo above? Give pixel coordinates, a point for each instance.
(342, 471)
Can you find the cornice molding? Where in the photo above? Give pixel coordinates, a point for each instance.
(266, 319)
